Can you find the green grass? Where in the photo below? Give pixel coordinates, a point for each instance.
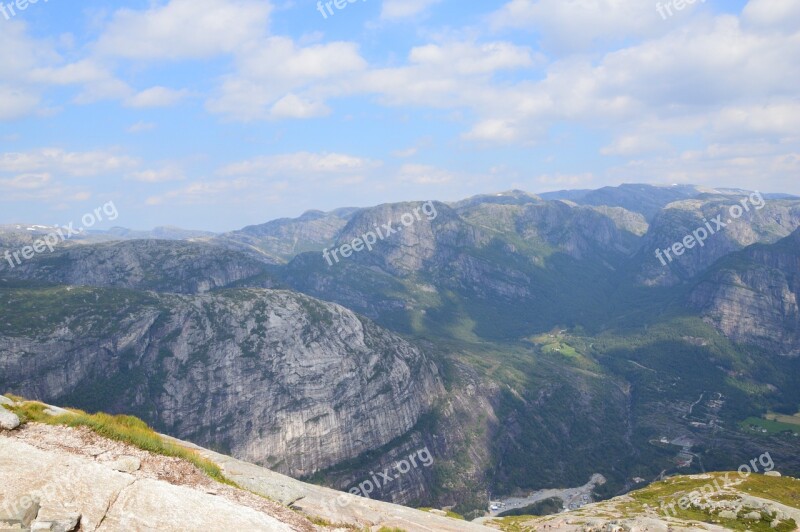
(785, 490)
(772, 427)
(126, 429)
(783, 418)
(450, 514)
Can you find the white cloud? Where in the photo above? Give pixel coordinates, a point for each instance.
(156, 97)
(160, 175)
(185, 29)
(467, 58)
(781, 15)
(493, 130)
(60, 162)
(573, 25)
(26, 181)
(635, 145)
(420, 174)
(141, 126)
(16, 102)
(293, 106)
(203, 192)
(271, 79)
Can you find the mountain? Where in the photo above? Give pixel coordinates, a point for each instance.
(160, 265)
(752, 296)
(647, 200)
(285, 238)
(528, 341)
(272, 376)
(717, 501)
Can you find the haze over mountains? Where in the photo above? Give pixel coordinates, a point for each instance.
(529, 341)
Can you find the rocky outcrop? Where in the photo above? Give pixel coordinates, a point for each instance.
(774, 220)
(285, 238)
(273, 377)
(753, 297)
(64, 479)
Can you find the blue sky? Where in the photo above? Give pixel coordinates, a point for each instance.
(215, 114)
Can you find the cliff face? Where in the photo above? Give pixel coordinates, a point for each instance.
(753, 297)
(159, 265)
(776, 219)
(273, 377)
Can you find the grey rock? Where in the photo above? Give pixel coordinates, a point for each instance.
(20, 514)
(727, 514)
(271, 376)
(6, 401)
(56, 521)
(125, 464)
(8, 420)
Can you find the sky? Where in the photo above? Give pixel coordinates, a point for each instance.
(216, 114)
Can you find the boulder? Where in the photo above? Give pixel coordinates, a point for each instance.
(727, 514)
(20, 513)
(125, 464)
(56, 521)
(8, 420)
(772, 474)
(5, 401)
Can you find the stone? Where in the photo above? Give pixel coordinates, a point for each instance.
(6, 401)
(772, 474)
(56, 520)
(753, 516)
(727, 514)
(8, 420)
(20, 514)
(125, 464)
(56, 411)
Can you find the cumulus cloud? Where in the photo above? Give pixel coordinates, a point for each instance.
(270, 80)
(59, 161)
(577, 25)
(184, 29)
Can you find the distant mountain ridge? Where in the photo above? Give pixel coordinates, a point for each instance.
(533, 329)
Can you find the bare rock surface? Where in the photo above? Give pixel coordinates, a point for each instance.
(52, 471)
(8, 420)
(68, 479)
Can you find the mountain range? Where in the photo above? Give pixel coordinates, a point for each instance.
(528, 341)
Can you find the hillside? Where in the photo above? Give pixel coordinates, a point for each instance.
(715, 501)
(64, 476)
(506, 333)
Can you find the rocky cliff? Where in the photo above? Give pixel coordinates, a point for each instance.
(71, 478)
(753, 296)
(273, 377)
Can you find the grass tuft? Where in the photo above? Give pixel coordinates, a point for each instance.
(126, 429)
